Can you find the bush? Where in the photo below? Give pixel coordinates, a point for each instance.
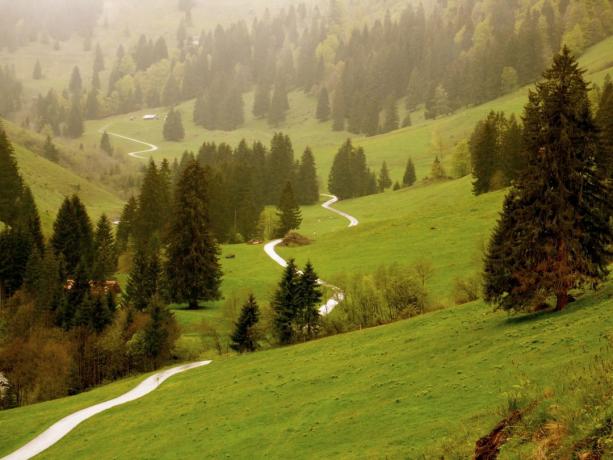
(466, 289)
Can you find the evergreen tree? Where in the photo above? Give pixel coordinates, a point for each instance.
(173, 126)
(29, 219)
(105, 252)
(50, 151)
(309, 297)
(288, 211)
(483, 148)
(171, 93)
(554, 233)
(74, 124)
(91, 105)
(307, 188)
(279, 104)
(437, 171)
(193, 271)
(98, 60)
(105, 143)
(391, 116)
(406, 122)
(37, 73)
(126, 226)
(340, 180)
(15, 250)
(144, 279)
(150, 222)
(160, 333)
(261, 102)
(280, 165)
(511, 151)
(286, 304)
(73, 235)
(409, 177)
(323, 105)
(12, 184)
(200, 111)
(384, 182)
(338, 109)
(76, 84)
(604, 120)
(245, 336)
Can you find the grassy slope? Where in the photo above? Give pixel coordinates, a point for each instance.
(50, 183)
(390, 391)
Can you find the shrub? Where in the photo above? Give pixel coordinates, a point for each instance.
(466, 289)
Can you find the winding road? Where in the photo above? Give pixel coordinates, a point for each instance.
(137, 154)
(61, 428)
(338, 295)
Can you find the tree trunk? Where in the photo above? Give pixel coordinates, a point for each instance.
(561, 300)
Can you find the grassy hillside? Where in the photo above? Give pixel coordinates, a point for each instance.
(393, 391)
(50, 183)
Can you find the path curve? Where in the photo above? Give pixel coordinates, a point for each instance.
(137, 154)
(60, 429)
(339, 295)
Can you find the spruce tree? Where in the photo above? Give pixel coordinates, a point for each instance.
(280, 165)
(340, 181)
(261, 102)
(12, 184)
(483, 152)
(554, 233)
(288, 212)
(323, 105)
(37, 73)
(74, 123)
(307, 188)
(144, 279)
(279, 104)
(338, 109)
(245, 336)
(126, 226)
(604, 120)
(383, 181)
(200, 111)
(391, 116)
(50, 151)
(76, 84)
(309, 297)
(91, 105)
(173, 126)
(105, 252)
(28, 220)
(192, 270)
(285, 304)
(160, 333)
(15, 250)
(98, 60)
(409, 177)
(437, 171)
(105, 143)
(171, 93)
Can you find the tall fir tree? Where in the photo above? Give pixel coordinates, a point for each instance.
(74, 123)
(409, 177)
(390, 116)
(126, 226)
(307, 187)
(37, 73)
(50, 151)
(144, 279)
(192, 271)
(288, 211)
(279, 104)
(173, 126)
(105, 251)
(604, 120)
(309, 298)
(323, 105)
(76, 84)
(245, 336)
(105, 143)
(338, 109)
(261, 102)
(285, 304)
(12, 183)
(554, 233)
(383, 181)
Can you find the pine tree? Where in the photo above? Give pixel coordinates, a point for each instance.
(288, 211)
(15, 250)
(144, 279)
(286, 304)
(73, 235)
(98, 60)
(340, 180)
(28, 220)
(338, 109)
(105, 143)
(409, 177)
(50, 151)
(307, 188)
(91, 105)
(280, 165)
(483, 148)
(279, 104)
(309, 297)
(76, 84)
(193, 271)
(383, 181)
(10, 179)
(554, 233)
(126, 226)
(105, 252)
(511, 151)
(245, 336)
(37, 73)
(173, 126)
(604, 120)
(391, 116)
(261, 102)
(74, 124)
(160, 334)
(171, 93)
(437, 171)
(323, 105)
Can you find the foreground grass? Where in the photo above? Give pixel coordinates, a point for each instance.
(392, 391)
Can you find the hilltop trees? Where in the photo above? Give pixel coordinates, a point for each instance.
(288, 212)
(245, 336)
(349, 176)
(554, 233)
(173, 126)
(193, 272)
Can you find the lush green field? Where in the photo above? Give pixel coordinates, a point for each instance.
(51, 183)
(394, 391)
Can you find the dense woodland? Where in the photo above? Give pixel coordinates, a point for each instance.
(446, 56)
